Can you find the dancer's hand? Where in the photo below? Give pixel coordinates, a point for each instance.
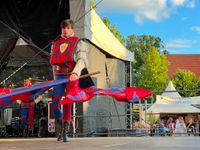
(73, 77)
(63, 97)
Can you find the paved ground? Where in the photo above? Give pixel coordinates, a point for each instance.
(104, 143)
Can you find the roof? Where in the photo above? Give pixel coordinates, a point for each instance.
(172, 94)
(172, 102)
(183, 61)
(172, 109)
(98, 33)
(23, 51)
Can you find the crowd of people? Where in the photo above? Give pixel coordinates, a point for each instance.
(172, 127)
(176, 127)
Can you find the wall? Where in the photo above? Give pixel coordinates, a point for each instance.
(96, 112)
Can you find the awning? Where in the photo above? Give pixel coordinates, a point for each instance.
(173, 93)
(98, 33)
(22, 53)
(172, 109)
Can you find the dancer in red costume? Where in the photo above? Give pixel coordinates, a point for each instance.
(27, 110)
(69, 59)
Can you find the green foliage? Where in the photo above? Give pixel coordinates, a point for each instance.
(140, 45)
(92, 4)
(152, 119)
(165, 52)
(153, 73)
(186, 80)
(114, 30)
(150, 65)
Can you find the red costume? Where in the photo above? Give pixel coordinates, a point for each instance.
(63, 59)
(63, 55)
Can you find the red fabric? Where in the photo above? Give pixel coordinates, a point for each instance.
(76, 94)
(130, 95)
(24, 96)
(27, 113)
(67, 108)
(4, 91)
(31, 116)
(63, 55)
(67, 112)
(27, 94)
(126, 94)
(168, 123)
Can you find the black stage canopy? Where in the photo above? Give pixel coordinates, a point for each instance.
(36, 20)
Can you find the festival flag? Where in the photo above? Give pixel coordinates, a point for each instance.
(27, 93)
(75, 94)
(129, 95)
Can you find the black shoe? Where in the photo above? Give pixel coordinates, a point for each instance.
(59, 138)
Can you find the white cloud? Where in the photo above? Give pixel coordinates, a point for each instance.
(155, 10)
(178, 2)
(179, 43)
(191, 4)
(186, 3)
(195, 28)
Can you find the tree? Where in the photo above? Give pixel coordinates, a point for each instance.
(141, 46)
(153, 74)
(165, 52)
(92, 4)
(114, 30)
(186, 80)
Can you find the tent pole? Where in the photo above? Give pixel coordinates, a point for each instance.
(110, 112)
(140, 114)
(74, 119)
(146, 116)
(131, 105)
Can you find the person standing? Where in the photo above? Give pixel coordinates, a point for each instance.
(198, 126)
(69, 61)
(27, 110)
(180, 129)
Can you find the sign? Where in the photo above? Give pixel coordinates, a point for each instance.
(51, 125)
(167, 100)
(51, 120)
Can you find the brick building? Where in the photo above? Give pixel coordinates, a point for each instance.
(184, 61)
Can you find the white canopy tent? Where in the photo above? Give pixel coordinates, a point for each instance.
(101, 36)
(172, 102)
(172, 109)
(173, 93)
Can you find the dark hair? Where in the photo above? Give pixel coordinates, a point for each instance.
(67, 23)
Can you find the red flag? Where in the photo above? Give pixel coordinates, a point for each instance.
(27, 93)
(76, 94)
(130, 95)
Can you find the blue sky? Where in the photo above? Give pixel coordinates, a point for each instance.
(176, 22)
